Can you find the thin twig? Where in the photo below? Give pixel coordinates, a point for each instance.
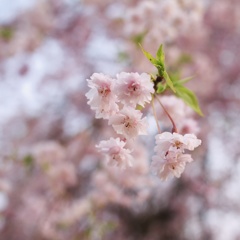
(174, 129)
(155, 115)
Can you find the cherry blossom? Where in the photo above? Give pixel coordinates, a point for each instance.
(51, 176)
(173, 163)
(191, 141)
(134, 88)
(115, 152)
(101, 97)
(174, 141)
(169, 156)
(129, 122)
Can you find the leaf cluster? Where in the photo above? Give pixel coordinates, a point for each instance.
(163, 80)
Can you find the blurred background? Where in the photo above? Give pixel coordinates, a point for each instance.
(53, 183)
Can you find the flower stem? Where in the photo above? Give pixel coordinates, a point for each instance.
(174, 129)
(155, 115)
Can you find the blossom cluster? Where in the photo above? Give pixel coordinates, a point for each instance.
(58, 193)
(116, 100)
(170, 156)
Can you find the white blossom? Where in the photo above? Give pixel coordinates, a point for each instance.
(170, 157)
(134, 88)
(173, 163)
(129, 123)
(101, 97)
(174, 141)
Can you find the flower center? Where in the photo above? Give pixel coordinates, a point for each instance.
(129, 123)
(133, 87)
(104, 91)
(173, 167)
(177, 144)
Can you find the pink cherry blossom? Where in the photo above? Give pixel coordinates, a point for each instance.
(115, 152)
(133, 89)
(101, 97)
(191, 141)
(169, 156)
(174, 141)
(173, 163)
(129, 122)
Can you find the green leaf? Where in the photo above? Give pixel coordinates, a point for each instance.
(160, 55)
(174, 76)
(149, 56)
(168, 81)
(189, 98)
(159, 64)
(185, 80)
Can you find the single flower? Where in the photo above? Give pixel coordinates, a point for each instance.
(175, 142)
(134, 88)
(172, 163)
(129, 122)
(101, 97)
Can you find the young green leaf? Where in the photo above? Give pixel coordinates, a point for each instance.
(185, 80)
(160, 54)
(189, 98)
(168, 81)
(174, 76)
(149, 56)
(159, 64)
